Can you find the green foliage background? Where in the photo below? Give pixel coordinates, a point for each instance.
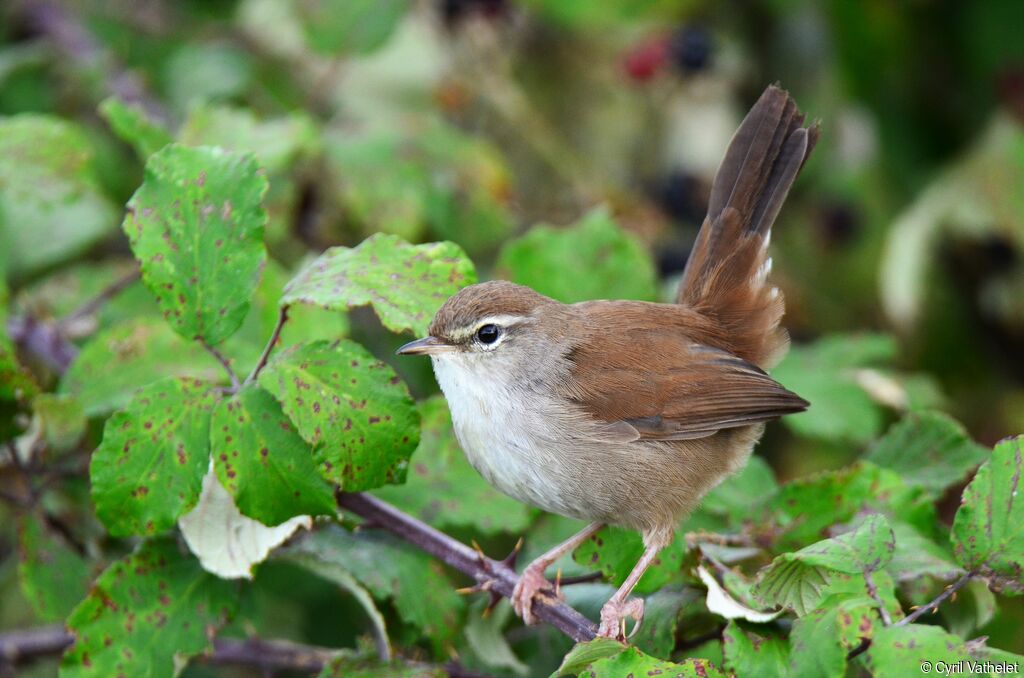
(350, 164)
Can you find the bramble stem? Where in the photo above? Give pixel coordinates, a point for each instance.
(225, 363)
(939, 599)
(465, 559)
(282, 318)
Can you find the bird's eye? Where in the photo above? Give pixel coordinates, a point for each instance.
(487, 334)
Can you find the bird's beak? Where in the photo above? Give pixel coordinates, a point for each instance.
(425, 346)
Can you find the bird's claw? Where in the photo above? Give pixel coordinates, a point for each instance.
(530, 586)
(614, 615)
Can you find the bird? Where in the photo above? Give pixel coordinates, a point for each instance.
(627, 413)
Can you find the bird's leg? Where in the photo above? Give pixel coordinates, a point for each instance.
(620, 606)
(532, 581)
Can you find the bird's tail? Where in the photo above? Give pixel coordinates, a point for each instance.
(725, 275)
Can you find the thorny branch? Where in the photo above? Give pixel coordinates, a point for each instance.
(454, 553)
(282, 318)
(939, 599)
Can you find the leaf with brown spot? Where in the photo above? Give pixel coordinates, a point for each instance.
(755, 651)
(988, 531)
(149, 467)
(263, 462)
(405, 284)
(333, 392)
(153, 606)
(189, 199)
(899, 651)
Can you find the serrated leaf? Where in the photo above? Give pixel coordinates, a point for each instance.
(799, 580)
(825, 373)
(593, 259)
(144, 612)
(118, 361)
(134, 126)
(263, 462)
(404, 283)
(988, 531)
(929, 450)
(196, 227)
(53, 577)
(629, 661)
(421, 592)
(51, 204)
(351, 407)
(148, 470)
(444, 490)
(349, 26)
(899, 651)
(749, 653)
(227, 543)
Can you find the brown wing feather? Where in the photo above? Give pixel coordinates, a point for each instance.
(678, 386)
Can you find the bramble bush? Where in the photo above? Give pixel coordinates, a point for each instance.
(179, 427)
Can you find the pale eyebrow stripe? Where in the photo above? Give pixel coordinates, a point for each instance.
(500, 320)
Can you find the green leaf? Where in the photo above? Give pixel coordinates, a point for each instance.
(988, 531)
(145, 612)
(900, 651)
(351, 407)
(133, 125)
(748, 653)
(486, 638)
(442, 488)
(51, 205)
(54, 578)
(349, 26)
(265, 465)
(120, 360)
(196, 227)
(929, 450)
(821, 639)
(593, 259)
(584, 654)
(798, 580)
(149, 468)
(404, 283)
(416, 583)
(597, 660)
(825, 373)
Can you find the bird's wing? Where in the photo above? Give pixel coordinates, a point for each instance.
(664, 386)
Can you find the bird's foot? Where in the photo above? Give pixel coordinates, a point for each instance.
(531, 585)
(614, 615)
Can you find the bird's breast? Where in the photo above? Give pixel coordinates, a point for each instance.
(509, 436)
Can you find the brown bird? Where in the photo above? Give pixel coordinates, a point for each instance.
(628, 412)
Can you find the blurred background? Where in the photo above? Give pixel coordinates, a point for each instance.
(900, 250)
